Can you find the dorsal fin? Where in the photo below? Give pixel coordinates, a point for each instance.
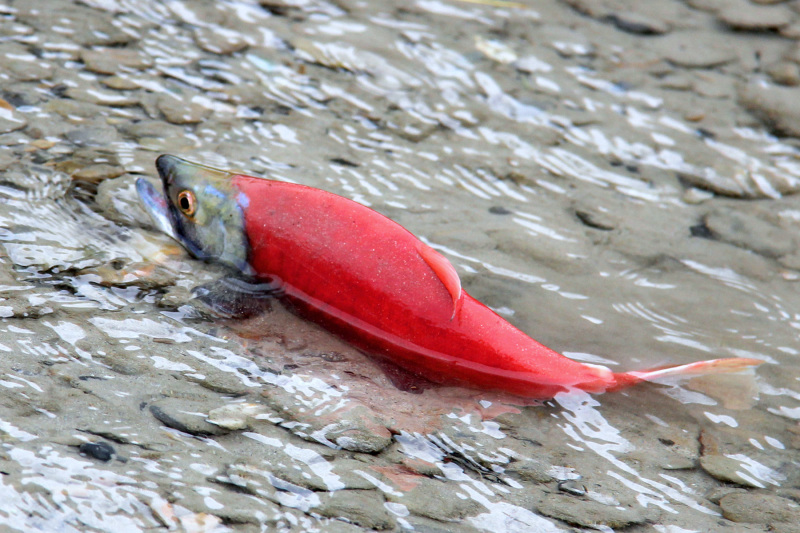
(444, 271)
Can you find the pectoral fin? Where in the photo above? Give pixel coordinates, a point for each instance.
(235, 297)
(445, 271)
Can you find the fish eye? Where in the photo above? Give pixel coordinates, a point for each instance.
(187, 203)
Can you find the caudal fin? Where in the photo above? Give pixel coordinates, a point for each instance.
(699, 368)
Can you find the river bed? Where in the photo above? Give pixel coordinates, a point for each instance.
(618, 181)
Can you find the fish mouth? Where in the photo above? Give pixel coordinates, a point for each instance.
(155, 203)
(167, 165)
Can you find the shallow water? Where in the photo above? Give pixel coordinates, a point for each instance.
(616, 206)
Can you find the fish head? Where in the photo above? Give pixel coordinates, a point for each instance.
(200, 208)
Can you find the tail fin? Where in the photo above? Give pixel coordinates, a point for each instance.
(699, 368)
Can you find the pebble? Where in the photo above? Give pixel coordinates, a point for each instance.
(784, 73)
(184, 415)
(18, 62)
(775, 106)
(746, 16)
(181, 110)
(696, 49)
(235, 416)
(750, 232)
(11, 120)
(760, 508)
(587, 513)
(101, 451)
(219, 40)
(114, 60)
(433, 499)
(725, 469)
(362, 507)
(639, 24)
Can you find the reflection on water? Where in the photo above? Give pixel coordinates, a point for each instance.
(557, 191)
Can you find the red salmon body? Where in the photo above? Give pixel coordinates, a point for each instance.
(370, 281)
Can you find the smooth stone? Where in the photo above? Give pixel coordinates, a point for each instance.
(784, 73)
(725, 469)
(98, 173)
(362, 507)
(588, 513)
(99, 97)
(11, 120)
(20, 64)
(742, 15)
(775, 106)
(114, 60)
(221, 41)
(435, 499)
(181, 110)
(750, 232)
(639, 24)
(182, 415)
(696, 49)
(759, 508)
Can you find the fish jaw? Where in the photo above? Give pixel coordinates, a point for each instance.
(156, 206)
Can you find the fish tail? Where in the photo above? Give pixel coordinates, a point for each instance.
(699, 368)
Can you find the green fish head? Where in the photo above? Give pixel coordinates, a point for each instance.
(201, 209)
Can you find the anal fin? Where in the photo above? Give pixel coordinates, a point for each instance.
(444, 270)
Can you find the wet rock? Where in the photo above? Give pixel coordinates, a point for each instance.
(69, 109)
(120, 83)
(219, 40)
(531, 470)
(760, 508)
(720, 492)
(638, 23)
(695, 49)
(774, 106)
(84, 25)
(181, 110)
(114, 60)
(726, 469)
(185, 415)
(19, 63)
(101, 451)
(235, 416)
(784, 73)
(746, 16)
(355, 428)
(432, 499)
(587, 513)
(100, 97)
(98, 173)
(361, 507)
(750, 232)
(11, 120)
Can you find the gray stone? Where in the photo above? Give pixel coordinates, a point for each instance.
(725, 469)
(114, 60)
(743, 15)
(760, 508)
(219, 40)
(362, 507)
(695, 49)
(638, 23)
(185, 415)
(434, 499)
(11, 120)
(587, 513)
(750, 232)
(17, 61)
(775, 106)
(179, 109)
(784, 73)
(531, 470)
